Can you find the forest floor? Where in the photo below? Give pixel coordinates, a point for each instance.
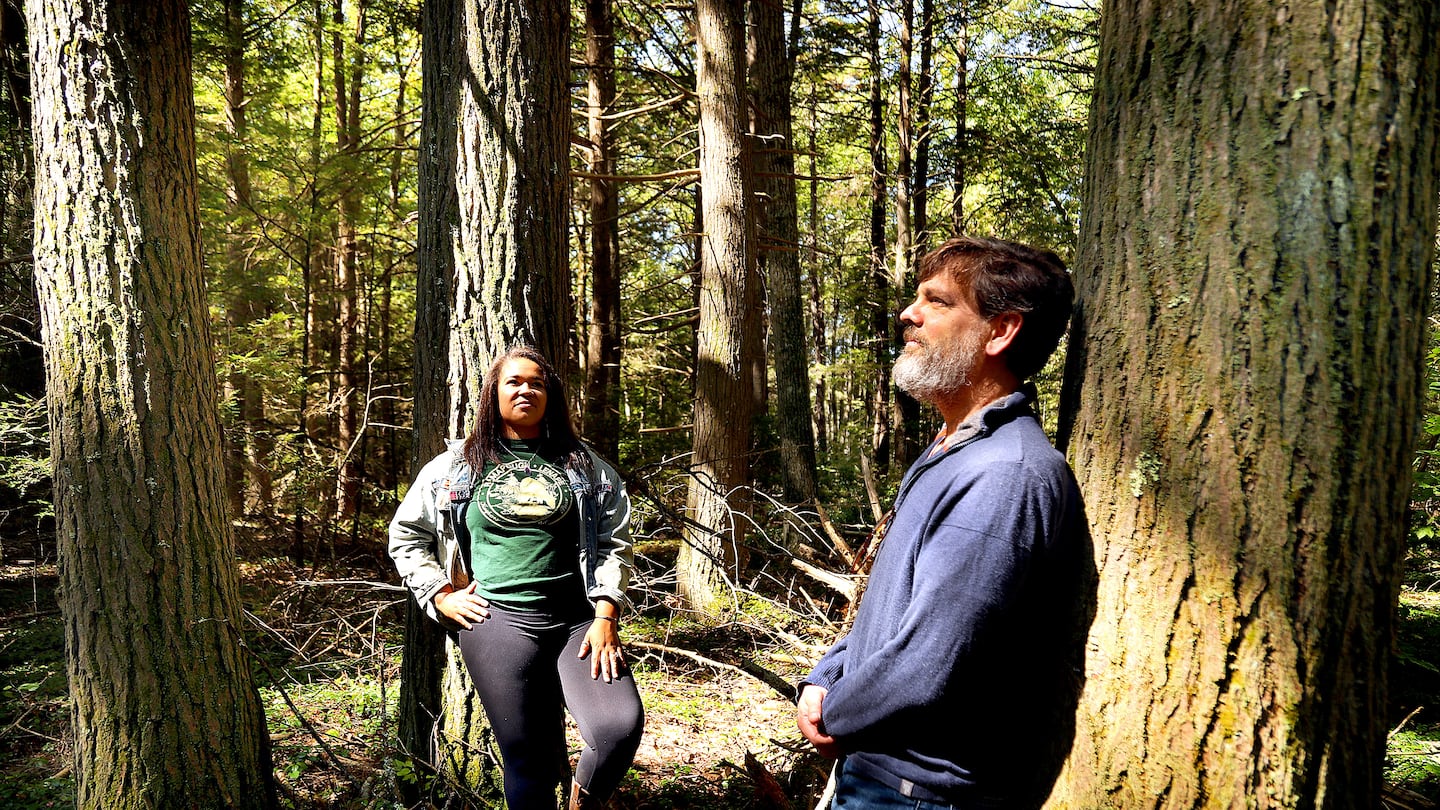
(328, 667)
(715, 738)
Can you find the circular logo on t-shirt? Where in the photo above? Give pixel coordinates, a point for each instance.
(519, 493)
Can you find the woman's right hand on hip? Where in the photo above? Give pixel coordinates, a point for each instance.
(463, 606)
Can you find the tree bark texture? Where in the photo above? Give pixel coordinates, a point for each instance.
(1243, 384)
(603, 345)
(493, 272)
(722, 416)
(164, 710)
(511, 172)
(771, 76)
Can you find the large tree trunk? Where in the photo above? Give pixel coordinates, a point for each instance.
(771, 76)
(602, 358)
(492, 272)
(723, 395)
(1242, 391)
(164, 710)
(512, 170)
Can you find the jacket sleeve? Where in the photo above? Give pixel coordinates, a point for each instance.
(415, 538)
(615, 558)
(828, 670)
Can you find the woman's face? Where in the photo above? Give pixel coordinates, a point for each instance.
(522, 398)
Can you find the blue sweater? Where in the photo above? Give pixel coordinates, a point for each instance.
(963, 642)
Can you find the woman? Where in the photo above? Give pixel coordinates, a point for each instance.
(488, 540)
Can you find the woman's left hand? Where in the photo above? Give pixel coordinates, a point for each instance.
(603, 640)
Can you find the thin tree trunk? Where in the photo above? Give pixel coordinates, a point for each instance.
(962, 110)
(1242, 394)
(348, 72)
(163, 708)
(712, 551)
(247, 458)
(425, 649)
(817, 303)
(924, 113)
(905, 411)
(602, 363)
(771, 78)
(880, 315)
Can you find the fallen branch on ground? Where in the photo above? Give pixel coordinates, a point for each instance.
(750, 668)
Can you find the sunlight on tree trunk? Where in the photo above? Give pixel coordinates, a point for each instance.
(720, 463)
(603, 344)
(493, 272)
(1242, 393)
(163, 708)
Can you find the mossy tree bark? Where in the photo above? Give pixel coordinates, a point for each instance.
(1243, 382)
(724, 390)
(492, 272)
(164, 710)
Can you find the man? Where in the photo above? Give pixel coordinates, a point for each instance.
(951, 688)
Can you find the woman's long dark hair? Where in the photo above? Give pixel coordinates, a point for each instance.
(483, 443)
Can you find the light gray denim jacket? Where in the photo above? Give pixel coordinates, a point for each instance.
(426, 550)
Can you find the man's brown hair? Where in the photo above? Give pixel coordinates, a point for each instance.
(1002, 276)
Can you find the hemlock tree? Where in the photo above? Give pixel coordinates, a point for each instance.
(164, 710)
(771, 75)
(492, 272)
(603, 345)
(1242, 392)
(720, 467)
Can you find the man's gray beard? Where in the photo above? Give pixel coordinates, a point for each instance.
(934, 372)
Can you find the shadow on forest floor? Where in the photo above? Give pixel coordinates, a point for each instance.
(331, 663)
(331, 659)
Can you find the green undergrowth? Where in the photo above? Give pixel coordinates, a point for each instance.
(34, 697)
(1412, 757)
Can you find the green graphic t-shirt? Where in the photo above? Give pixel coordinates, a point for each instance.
(524, 543)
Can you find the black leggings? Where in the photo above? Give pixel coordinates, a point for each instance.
(526, 671)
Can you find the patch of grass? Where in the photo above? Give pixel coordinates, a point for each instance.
(1412, 759)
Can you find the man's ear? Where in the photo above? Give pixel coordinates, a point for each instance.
(1003, 329)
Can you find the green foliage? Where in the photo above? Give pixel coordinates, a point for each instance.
(1425, 490)
(21, 790)
(1412, 756)
(1412, 759)
(25, 457)
(33, 696)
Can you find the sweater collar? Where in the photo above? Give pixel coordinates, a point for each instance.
(986, 421)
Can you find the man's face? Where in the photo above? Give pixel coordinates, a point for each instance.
(944, 341)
